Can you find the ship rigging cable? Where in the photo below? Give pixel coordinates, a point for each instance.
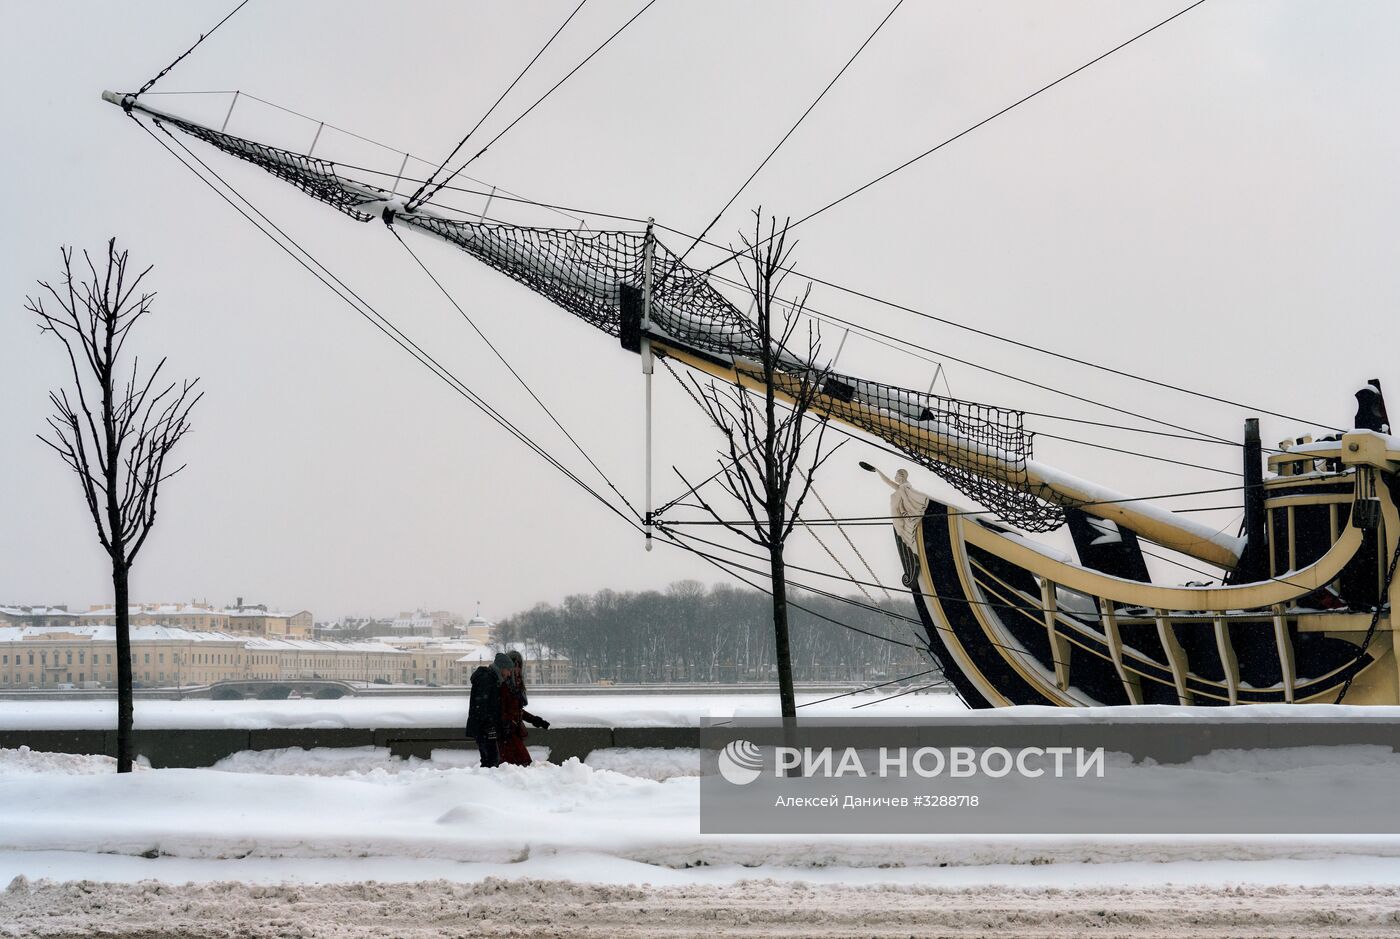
(730, 567)
(776, 147)
(414, 201)
(202, 36)
(986, 120)
(380, 322)
(942, 599)
(814, 279)
(1031, 347)
(551, 91)
(719, 327)
(868, 331)
(373, 316)
(518, 377)
(1201, 436)
(868, 688)
(577, 271)
(318, 178)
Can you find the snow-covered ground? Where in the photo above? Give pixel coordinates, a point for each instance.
(494, 907)
(352, 842)
(328, 805)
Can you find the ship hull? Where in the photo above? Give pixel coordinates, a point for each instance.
(1010, 624)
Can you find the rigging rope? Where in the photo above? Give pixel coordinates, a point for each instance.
(203, 36)
(726, 566)
(868, 688)
(900, 694)
(791, 130)
(852, 291)
(941, 599)
(518, 377)
(971, 364)
(724, 467)
(1011, 650)
(983, 122)
(551, 91)
(832, 554)
(371, 315)
(441, 372)
(842, 529)
(899, 342)
(585, 273)
(414, 201)
(907, 345)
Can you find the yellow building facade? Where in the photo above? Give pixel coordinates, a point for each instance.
(70, 657)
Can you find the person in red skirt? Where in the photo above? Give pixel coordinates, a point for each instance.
(514, 716)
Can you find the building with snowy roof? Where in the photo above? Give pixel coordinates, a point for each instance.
(426, 623)
(238, 619)
(83, 655)
(17, 615)
(480, 629)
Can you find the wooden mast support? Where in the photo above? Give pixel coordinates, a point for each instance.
(1059, 645)
(1228, 661)
(1132, 684)
(1176, 658)
(1285, 653)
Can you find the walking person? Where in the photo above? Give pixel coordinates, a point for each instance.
(514, 716)
(484, 721)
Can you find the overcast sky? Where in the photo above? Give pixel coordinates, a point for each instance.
(1215, 205)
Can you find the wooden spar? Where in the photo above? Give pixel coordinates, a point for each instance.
(1148, 521)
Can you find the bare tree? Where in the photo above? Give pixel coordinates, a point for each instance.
(770, 434)
(113, 428)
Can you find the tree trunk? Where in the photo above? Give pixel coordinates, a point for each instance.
(782, 646)
(122, 613)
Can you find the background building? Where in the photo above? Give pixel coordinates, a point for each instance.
(82, 655)
(17, 615)
(427, 623)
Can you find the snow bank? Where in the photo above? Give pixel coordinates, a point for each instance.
(682, 710)
(324, 805)
(348, 761)
(648, 763)
(26, 762)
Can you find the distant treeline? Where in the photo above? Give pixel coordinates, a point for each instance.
(722, 633)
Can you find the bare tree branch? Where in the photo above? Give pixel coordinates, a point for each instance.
(769, 432)
(117, 428)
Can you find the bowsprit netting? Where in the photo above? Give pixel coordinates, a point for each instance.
(979, 449)
(313, 176)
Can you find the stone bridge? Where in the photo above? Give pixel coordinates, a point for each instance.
(254, 688)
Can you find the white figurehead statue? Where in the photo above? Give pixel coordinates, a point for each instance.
(907, 506)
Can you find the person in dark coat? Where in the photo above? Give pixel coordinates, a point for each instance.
(514, 716)
(484, 722)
